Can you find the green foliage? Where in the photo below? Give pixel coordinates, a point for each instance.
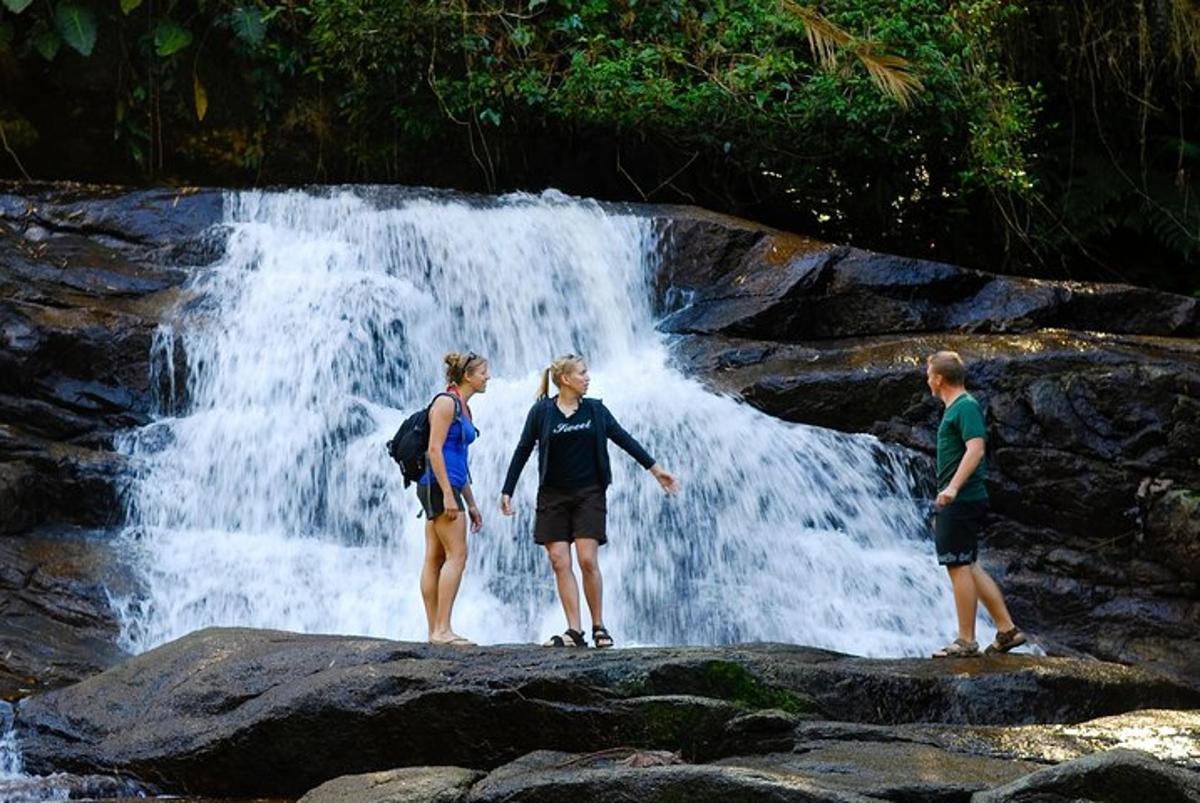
(170, 37)
(984, 131)
(77, 26)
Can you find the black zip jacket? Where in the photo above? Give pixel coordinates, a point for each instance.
(537, 429)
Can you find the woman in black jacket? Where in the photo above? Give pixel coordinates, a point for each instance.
(572, 435)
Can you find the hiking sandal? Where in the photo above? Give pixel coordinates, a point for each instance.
(1005, 641)
(600, 637)
(959, 648)
(569, 638)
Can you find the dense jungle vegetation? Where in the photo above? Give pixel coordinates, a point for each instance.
(1056, 138)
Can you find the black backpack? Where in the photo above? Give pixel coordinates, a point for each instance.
(409, 445)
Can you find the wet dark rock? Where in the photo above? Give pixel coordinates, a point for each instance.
(71, 787)
(86, 276)
(406, 785)
(1116, 776)
(787, 289)
(259, 712)
(56, 623)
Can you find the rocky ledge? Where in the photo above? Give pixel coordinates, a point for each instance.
(244, 712)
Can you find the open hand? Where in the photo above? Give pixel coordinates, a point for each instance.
(666, 479)
(506, 505)
(476, 519)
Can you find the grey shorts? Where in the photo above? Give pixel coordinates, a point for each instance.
(433, 502)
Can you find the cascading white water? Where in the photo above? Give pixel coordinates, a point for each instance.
(270, 502)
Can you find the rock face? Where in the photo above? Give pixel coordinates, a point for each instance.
(244, 712)
(57, 625)
(85, 277)
(1092, 393)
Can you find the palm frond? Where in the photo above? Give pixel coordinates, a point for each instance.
(892, 75)
(824, 37)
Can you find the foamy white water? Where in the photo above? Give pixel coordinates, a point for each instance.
(270, 502)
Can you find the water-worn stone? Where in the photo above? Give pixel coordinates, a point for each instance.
(56, 624)
(243, 712)
(903, 771)
(405, 785)
(551, 776)
(1169, 735)
(1115, 776)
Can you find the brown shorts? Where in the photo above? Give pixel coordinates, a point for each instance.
(564, 514)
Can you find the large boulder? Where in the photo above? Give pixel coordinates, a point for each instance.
(243, 712)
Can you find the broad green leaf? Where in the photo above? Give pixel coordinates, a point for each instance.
(128, 6)
(170, 37)
(248, 24)
(201, 97)
(17, 6)
(77, 25)
(47, 42)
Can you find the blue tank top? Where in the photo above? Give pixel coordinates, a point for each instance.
(454, 451)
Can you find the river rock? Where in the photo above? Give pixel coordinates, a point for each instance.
(1115, 776)
(405, 785)
(551, 776)
(244, 712)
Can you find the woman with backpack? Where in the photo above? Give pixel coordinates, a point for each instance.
(444, 491)
(572, 434)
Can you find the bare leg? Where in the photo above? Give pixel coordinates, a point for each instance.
(453, 538)
(587, 550)
(966, 600)
(435, 556)
(568, 590)
(993, 600)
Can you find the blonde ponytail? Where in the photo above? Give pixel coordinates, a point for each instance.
(555, 371)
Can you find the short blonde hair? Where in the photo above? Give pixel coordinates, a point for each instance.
(949, 366)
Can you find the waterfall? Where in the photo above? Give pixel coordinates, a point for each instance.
(266, 498)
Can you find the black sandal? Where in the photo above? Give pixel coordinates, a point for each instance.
(569, 638)
(600, 637)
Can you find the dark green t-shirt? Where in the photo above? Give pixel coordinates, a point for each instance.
(962, 421)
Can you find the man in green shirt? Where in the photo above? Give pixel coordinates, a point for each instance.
(962, 502)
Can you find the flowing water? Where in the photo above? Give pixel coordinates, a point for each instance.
(265, 498)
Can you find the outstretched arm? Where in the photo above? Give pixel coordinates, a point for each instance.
(618, 435)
